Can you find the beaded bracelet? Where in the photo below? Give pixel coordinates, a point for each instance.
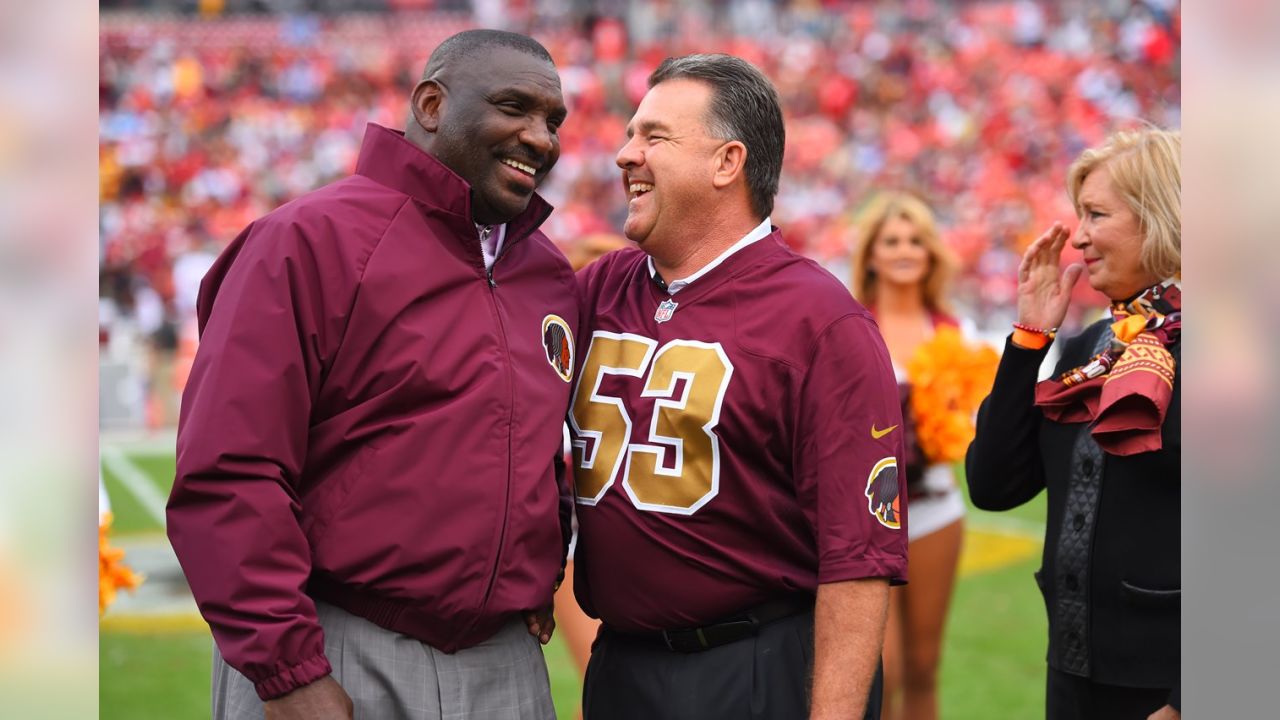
(1051, 333)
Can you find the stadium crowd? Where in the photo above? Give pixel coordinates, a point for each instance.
(978, 107)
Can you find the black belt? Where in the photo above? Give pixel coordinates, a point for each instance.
(738, 627)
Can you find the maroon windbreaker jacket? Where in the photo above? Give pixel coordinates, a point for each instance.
(372, 422)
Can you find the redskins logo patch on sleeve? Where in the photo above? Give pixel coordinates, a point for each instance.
(882, 493)
(557, 341)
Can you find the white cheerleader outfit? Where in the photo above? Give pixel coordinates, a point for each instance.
(941, 503)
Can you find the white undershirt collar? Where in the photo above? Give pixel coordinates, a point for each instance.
(759, 232)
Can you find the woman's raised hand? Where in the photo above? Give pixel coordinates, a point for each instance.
(1044, 289)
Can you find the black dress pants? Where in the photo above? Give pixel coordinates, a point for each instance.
(765, 677)
(1068, 697)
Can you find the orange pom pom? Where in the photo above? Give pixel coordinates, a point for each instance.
(949, 378)
(113, 574)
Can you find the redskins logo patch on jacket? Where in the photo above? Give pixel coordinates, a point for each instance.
(557, 341)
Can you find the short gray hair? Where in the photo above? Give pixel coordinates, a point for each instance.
(459, 47)
(744, 107)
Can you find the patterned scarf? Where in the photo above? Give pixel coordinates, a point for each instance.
(1124, 391)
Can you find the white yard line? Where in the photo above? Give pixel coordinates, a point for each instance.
(135, 481)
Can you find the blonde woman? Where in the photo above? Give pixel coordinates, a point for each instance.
(901, 271)
(1102, 435)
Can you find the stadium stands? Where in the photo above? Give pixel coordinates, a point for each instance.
(977, 106)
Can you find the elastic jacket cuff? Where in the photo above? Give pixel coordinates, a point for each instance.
(293, 677)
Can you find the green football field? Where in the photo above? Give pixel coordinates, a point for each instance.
(157, 666)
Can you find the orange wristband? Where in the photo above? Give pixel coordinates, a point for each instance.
(1029, 340)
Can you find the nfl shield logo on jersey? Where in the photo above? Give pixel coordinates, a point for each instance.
(665, 310)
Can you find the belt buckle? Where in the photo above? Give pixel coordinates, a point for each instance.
(682, 647)
(699, 634)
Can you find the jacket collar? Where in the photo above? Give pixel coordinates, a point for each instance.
(387, 158)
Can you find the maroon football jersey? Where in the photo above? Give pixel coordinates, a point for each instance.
(733, 443)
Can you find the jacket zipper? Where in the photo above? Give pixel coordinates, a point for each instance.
(511, 404)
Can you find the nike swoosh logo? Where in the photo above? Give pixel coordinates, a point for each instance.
(877, 434)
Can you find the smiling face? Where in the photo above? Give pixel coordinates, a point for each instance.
(898, 254)
(668, 164)
(495, 121)
(1110, 238)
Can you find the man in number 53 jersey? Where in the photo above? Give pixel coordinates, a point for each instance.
(736, 434)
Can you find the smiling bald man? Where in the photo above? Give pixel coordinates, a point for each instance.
(370, 505)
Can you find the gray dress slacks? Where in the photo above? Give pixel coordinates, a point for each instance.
(392, 676)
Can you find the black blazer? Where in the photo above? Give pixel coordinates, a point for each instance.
(1110, 573)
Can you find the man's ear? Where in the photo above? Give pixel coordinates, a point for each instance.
(730, 164)
(428, 100)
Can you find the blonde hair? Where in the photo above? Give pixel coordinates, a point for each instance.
(868, 224)
(1146, 170)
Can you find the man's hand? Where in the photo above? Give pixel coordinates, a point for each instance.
(1165, 713)
(323, 699)
(541, 623)
(848, 635)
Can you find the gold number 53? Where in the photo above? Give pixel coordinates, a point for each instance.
(684, 425)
